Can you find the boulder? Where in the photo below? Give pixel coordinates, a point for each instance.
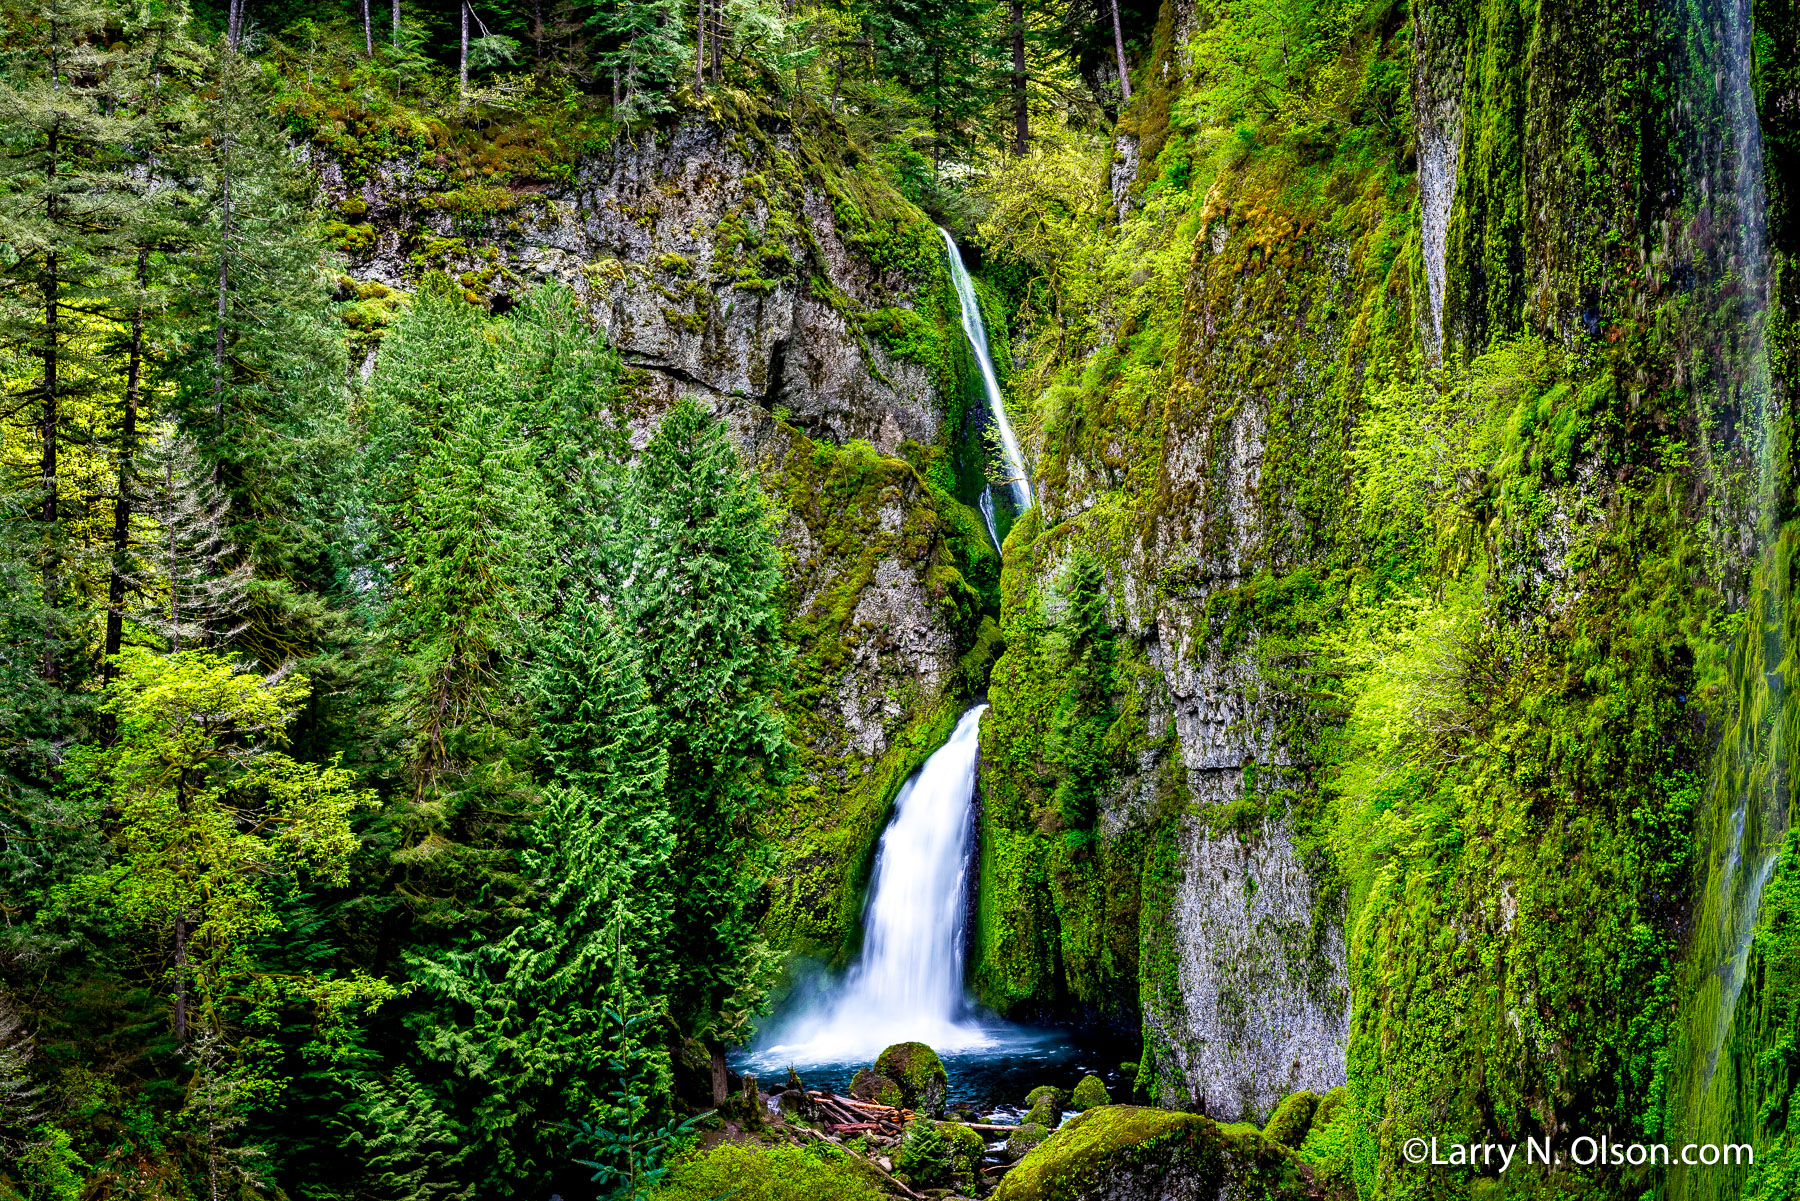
(1129, 1153)
(966, 1147)
(1088, 1094)
(1024, 1138)
(1044, 1105)
(873, 1086)
(1292, 1119)
(920, 1074)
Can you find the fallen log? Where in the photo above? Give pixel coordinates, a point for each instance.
(850, 1127)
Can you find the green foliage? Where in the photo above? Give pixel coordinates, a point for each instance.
(208, 811)
(701, 608)
(1091, 1091)
(926, 1155)
(777, 1173)
(632, 1156)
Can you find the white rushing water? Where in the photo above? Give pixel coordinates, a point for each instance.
(1759, 818)
(1018, 480)
(908, 984)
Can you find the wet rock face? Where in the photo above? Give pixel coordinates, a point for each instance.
(1262, 1009)
(697, 267)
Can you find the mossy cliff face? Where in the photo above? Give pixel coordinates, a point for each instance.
(749, 258)
(1408, 461)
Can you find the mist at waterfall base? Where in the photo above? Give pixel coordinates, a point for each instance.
(907, 985)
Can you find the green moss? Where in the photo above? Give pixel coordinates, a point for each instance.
(1179, 1154)
(819, 1172)
(1091, 1092)
(868, 1085)
(916, 1068)
(1292, 1119)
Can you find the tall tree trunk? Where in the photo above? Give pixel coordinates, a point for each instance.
(181, 989)
(1119, 48)
(721, 1085)
(115, 586)
(700, 48)
(49, 418)
(396, 22)
(368, 32)
(1021, 114)
(718, 24)
(224, 294)
(462, 63)
(234, 30)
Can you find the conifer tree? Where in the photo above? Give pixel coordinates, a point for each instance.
(63, 210)
(524, 1055)
(192, 587)
(461, 558)
(701, 604)
(262, 366)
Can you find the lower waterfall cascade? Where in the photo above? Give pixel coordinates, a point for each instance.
(908, 983)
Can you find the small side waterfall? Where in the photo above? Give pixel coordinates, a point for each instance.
(908, 984)
(1018, 481)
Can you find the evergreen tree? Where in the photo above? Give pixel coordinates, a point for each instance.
(523, 1055)
(701, 605)
(641, 53)
(190, 596)
(461, 566)
(63, 209)
(944, 53)
(262, 366)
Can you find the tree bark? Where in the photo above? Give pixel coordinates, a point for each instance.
(115, 587)
(224, 293)
(181, 959)
(718, 23)
(721, 1086)
(1119, 48)
(368, 32)
(1021, 114)
(49, 417)
(700, 47)
(396, 22)
(462, 63)
(234, 30)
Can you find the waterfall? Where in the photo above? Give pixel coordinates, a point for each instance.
(1716, 1075)
(908, 984)
(1018, 480)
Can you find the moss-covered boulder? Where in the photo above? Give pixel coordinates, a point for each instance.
(1292, 1119)
(1024, 1138)
(966, 1147)
(920, 1074)
(873, 1086)
(1330, 1105)
(1124, 1153)
(1088, 1094)
(1056, 1096)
